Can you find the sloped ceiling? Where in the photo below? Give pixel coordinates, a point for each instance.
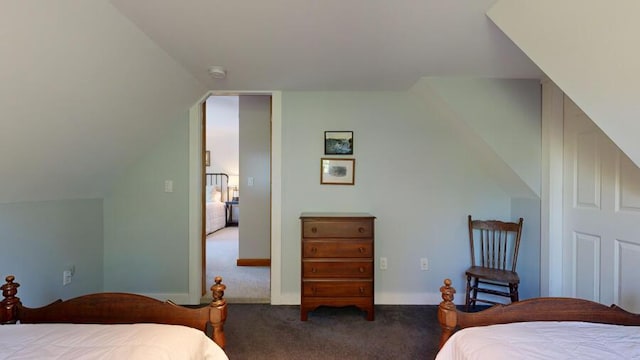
(83, 93)
(88, 86)
(589, 49)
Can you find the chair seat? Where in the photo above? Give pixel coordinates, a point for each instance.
(493, 274)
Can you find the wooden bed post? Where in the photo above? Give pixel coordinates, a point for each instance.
(218, 312)
(8, 312)
(447, 315)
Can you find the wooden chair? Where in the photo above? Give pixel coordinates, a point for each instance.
(494, 254)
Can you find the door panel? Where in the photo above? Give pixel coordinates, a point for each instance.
(627, 260)
(601, 216)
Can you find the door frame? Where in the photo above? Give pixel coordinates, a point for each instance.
(196, 130)
(551, 217)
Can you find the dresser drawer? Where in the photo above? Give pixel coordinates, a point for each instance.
(337, 269)
(337, 261)
(337, 249)
(338, 228)
(337, 288)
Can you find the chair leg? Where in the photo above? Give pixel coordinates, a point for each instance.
(513, 290)
(474, 291)
(467, 300)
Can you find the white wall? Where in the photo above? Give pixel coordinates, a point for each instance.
(501, 112)
(529, 257)
(39, 240)
(255, 162)
(400, 148)
(222, 134)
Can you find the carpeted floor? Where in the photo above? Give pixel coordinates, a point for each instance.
(246, 284)
(262, 331)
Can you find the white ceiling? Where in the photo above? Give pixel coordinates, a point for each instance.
(89, 87)
(329, 44)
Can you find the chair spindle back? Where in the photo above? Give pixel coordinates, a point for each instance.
(497, 243)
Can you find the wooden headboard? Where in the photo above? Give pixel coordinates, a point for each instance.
(534, 309)
(118, 308)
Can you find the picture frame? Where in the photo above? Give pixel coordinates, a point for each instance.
(207, 158)
(337, 171)
(338, 142)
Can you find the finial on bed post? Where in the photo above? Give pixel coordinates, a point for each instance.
(8, 313)
(447, 315)
(218, 313)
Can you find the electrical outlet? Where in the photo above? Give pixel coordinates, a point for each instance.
(383, 263)
(424, 264)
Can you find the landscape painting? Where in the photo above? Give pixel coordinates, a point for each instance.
(338, 142)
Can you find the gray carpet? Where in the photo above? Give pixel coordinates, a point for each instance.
(246, 284)
(261, 331)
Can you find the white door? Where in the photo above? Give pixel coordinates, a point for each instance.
(601, 210)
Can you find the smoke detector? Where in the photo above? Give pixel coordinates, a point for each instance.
(217, 72)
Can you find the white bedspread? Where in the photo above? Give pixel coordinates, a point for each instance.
(544, 340)
(214, 216)
(79, 341)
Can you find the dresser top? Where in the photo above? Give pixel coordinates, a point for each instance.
(335, 215)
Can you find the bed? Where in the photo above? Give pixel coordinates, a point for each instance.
(538, 328)
(111, 326)
(216, 193)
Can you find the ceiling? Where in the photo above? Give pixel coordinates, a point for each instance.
(95, 85)
(329, 44)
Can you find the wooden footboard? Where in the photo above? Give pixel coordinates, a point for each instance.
(119, 308)
(536, 309)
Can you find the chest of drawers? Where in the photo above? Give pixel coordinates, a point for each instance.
(337, 261)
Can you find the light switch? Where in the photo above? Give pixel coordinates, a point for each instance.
(250, 181)
(168, 186)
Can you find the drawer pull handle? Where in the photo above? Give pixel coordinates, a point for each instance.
(313, 290)
(313, 270)
(314, 249)
(361, 269)
(314, 229)
(362, 250)
(361, 290)
(361, 230)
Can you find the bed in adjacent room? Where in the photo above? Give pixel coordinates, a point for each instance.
(216, 193)
(538, 328)
(111, 326)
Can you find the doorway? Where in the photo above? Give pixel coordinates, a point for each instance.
(237, 143)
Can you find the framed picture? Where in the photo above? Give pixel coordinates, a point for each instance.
(338, 142)
(207, 158)
(337, 171)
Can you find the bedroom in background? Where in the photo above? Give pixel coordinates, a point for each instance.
(237, 143)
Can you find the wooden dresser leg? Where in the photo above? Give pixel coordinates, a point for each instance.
(370, 314)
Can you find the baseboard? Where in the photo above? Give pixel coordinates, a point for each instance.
(380, 298)
(253, 262)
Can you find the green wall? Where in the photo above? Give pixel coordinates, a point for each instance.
(414, 172)
(39, 240)
(146, 228)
